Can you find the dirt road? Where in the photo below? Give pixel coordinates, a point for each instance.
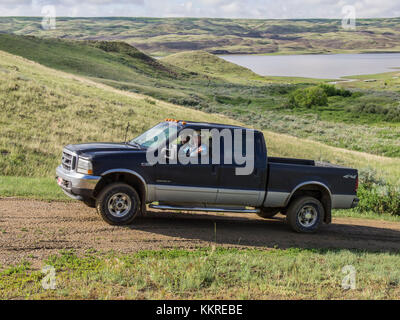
(33, 230)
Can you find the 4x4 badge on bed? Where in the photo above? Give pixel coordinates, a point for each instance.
(350, 176)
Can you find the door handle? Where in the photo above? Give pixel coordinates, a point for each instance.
(214, 169)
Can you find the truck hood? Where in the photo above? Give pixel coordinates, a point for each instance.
(98, 147)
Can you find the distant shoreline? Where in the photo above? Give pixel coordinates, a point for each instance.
(323, 67)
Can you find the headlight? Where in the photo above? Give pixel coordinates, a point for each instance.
(84, 166)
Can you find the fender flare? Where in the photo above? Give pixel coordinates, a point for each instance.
(133, 173)
(124, 171)
(328, 207)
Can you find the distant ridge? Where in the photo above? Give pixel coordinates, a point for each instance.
(164, 36)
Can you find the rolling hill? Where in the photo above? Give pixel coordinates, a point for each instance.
(44, 109)
(364, 121)
(211, 65)
(163, 36)
(114, 61)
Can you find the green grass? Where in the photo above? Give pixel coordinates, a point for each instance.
(31, 188)
(161, 37)
(371, 215)
(211, 65)
(116, 61)
(386, 82)
(213, 85)
(208, 274)
(44, 109)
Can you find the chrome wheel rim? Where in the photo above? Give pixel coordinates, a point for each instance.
(307, 216)
(119, 205)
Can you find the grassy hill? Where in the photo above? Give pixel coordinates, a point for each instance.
(44, 109)
(159, 36)
(209, 64)
(366, 121)
(112, 61)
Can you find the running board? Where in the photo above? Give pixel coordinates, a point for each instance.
(232, 210)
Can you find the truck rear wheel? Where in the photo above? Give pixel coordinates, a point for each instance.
(268, 213)
(118, 204)
(305, 214)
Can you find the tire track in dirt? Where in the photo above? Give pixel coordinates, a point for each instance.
(33, 230)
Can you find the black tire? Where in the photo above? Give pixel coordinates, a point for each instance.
(296, 219)
(115, 195)
(268, 213)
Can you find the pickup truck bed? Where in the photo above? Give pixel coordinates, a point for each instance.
(286, 176)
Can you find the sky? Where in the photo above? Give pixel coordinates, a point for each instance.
(259, 9)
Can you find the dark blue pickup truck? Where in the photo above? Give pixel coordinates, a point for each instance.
(192, 166)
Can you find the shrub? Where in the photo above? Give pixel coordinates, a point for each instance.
(389, 112)
(379, 199)
(368, 177)
(309, 97)
(184, 101)
(331, 90)
(377, 196)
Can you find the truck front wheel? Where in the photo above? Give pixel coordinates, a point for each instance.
(118, 204)
(305, 214)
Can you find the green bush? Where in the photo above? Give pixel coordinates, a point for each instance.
(332, 91)
(368, 176)
(379, 199)
(376, 195)
(309, 97)
(184, 101)
(315, 96)
(389, 112)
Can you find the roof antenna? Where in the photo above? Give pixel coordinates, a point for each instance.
(126, 132)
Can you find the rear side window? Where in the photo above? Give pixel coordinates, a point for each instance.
(246, 137)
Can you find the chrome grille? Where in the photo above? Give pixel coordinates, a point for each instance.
(68, 160)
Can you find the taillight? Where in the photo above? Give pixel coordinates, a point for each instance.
(356, 184)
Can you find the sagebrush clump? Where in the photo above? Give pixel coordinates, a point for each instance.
(376, 195)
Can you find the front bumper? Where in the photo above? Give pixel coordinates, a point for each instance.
(76, 185)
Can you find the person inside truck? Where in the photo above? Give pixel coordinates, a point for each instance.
(199, 148)
(193, 146)
(183, 142)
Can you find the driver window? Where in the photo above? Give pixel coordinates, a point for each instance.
(194, 145)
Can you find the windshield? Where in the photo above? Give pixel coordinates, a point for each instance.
(157, 135)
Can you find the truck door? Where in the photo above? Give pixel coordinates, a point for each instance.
(194, 184)
(248, 190)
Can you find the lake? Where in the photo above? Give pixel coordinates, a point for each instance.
(318, 66)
